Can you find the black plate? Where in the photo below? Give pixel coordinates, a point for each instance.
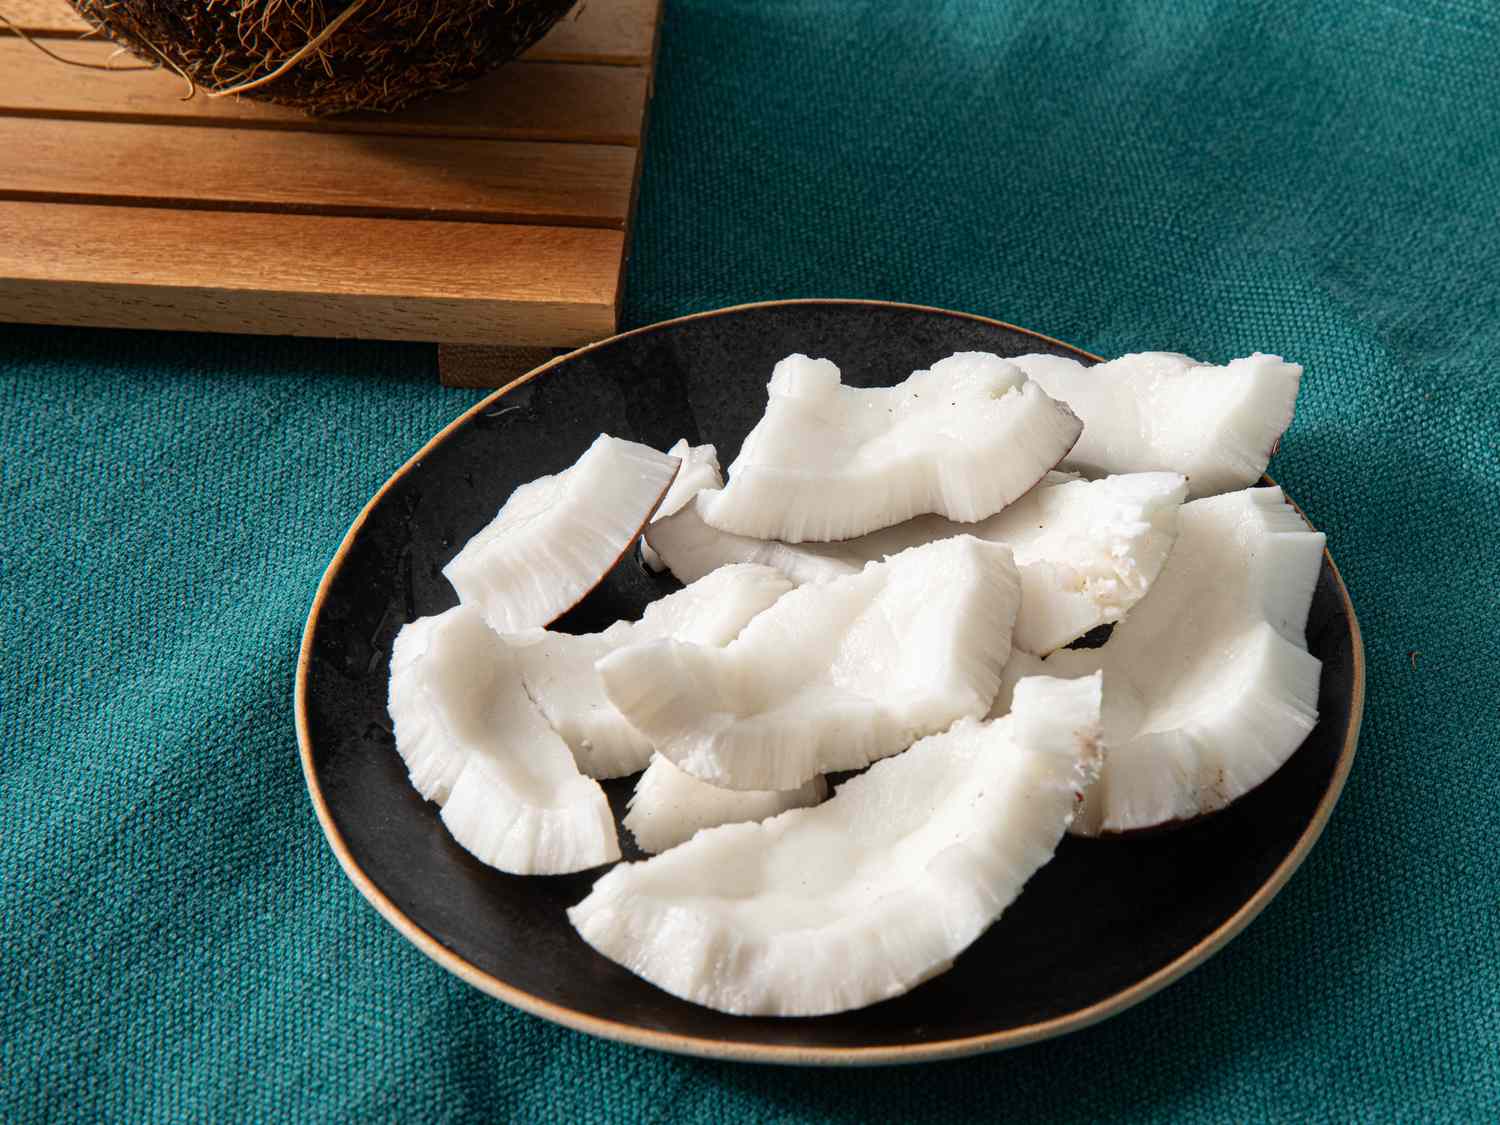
(1102, 926)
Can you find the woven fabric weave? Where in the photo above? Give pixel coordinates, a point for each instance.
(1317, 180)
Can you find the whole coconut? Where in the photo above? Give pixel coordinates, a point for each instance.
(384, 54)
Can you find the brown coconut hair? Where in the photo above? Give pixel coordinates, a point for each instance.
(381, 55)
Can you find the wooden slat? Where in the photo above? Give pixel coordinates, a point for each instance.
(494, 366)
(488, 365)
(44, 17)
(524, 102)
(603, 31)
(114, 214)
(332, 174)
(307, 275)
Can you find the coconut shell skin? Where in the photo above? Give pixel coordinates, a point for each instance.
(389, 53)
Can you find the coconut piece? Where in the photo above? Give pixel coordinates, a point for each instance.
(1020, 666)
(558, 669)
(669, 806)
(828, 461)
(699, 470)
(557, 536)
(475, 743)
(683, 542)
(1087, 550)
(834, 675)
(1217, 426)
(871, 893)
(1209, 686)
(433, 760)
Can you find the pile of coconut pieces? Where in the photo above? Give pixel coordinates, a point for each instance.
(889, 579)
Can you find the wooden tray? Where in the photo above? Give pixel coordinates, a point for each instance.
(498, 215)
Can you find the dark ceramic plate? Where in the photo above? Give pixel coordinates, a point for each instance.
(1102, 926)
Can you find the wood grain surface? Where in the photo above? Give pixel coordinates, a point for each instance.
(132, 267)
(330, 174)
(43, 17)
(618, 32)
(524, 101)
(487, 365)
(493, 216)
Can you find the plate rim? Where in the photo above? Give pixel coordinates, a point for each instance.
(787, 1054)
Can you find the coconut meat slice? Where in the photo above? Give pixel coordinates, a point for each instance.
(433, 759)
(681, 540)
(1217, 426)
(1209, 686)
(557, 536)
(474, 742)
(557, 669)
(1020, 666)
(828, 461)
(1087, 550)
(669, 806)
(834, 675)
(862, 898)
(698, 470)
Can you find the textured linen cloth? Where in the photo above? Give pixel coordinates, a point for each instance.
(1318, 180)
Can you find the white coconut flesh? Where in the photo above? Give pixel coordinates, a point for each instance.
(669, 806)
(1087, 550)
(558, 669)
(834, 675)
(698, 470)
(1020, 666)
(1209, 686)
(828, 461)
(1217, 426)
(433, 759)
(557, 536)
(864, 897)
(474, 742)
(681, 540)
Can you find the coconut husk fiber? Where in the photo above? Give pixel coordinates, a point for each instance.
(381, 55)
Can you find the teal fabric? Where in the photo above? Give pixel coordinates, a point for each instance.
(1317, 180)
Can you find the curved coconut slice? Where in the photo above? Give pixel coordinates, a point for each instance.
(833, 675)
(1209, 687)
(475, 743)
(699, 470)
(669, 806)
(557, 536)
(1216, 426)
(1087, 550)
(869, 894)
(433, 760)
(1020, 666)
(683, 542)
(830, 462)
(558, 668)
